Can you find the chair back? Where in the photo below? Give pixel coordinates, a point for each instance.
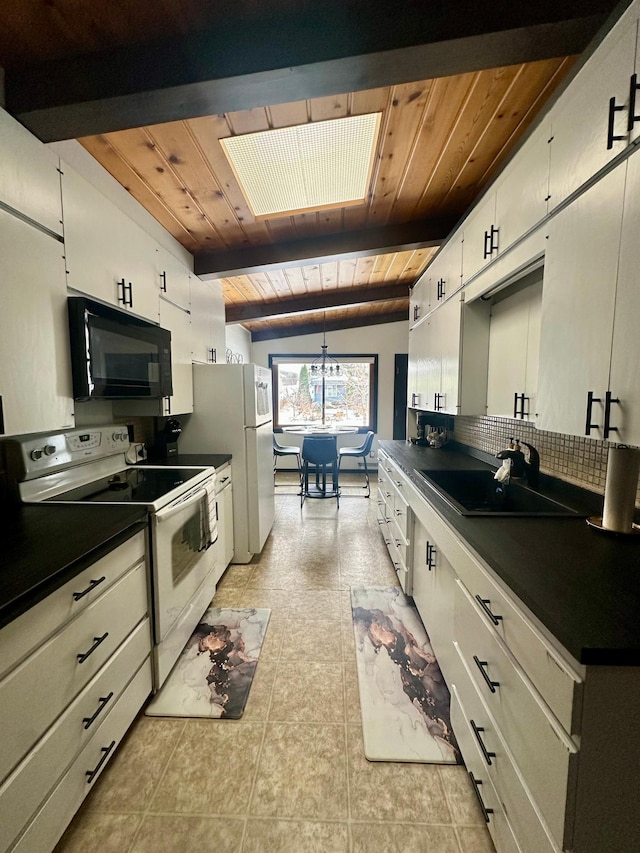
(368, 441)
(319, 449)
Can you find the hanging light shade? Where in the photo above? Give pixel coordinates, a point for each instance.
(324, 364)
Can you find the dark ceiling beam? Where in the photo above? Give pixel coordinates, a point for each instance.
(409, 236)
(330, 326)
(270, 57)
(244, 312)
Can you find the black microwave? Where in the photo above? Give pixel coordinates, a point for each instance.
(115, 355)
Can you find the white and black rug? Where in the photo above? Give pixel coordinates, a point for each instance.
(403, 696)
(213, 676)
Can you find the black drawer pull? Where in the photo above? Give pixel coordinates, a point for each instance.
(102, 703)
(476, 783)
(430, 561)
(96, 642)
(163, 286)
(105, 750)
(126, 293)
(608, 400)
(590, 401)
(481, 666)
(477, 732)
(611, 136)
(92, 585)
(484, 603)
(633, 89)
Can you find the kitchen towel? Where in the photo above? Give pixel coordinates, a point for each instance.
(621, 485)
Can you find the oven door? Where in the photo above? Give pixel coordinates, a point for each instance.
(182, 536)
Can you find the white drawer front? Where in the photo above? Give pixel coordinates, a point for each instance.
(477, 731)
(50, 678)
(539, 746)
(497, 821)
(558, 684)
(50, 822)
(29, 785)
(30, 630)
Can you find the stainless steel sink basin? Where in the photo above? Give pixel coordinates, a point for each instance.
(477, 492)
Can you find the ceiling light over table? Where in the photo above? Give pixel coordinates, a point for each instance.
(310, 166)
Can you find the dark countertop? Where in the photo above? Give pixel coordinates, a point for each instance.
(582, 584)
(217, 460)
(44, 546)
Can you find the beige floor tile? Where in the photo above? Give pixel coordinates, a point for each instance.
(352, 693)
(348, 642)
(295, 836)
(391, 791)
(212, 768)
(235, 577)
(92, 832)
(315, 604)
(312, 693)
(403, 838)
(462, 800)
(302, 773)
(135, 770)
(475, 839)
(311, 641)
(180, 834)
(272, 642)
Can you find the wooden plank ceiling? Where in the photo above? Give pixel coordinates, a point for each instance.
(441, 141)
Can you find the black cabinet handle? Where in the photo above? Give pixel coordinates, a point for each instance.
(477, 730)
(481, 666)
(484, 603)
(491, 241)
(102, 703)
(487, 244)
(416, 312)
(611, 136)
(437, 405)
(590, 401)
(92, 585)
(430, 556)
(515, 404)
(476, 783)
(212, 355)
(163, 286)
(96, 642)
(524, 414)
(126, 293)
(105, 750)
(441, 285)
(608, 400)
(633, 88)
(414, 399)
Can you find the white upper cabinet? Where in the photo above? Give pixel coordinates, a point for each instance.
(446, 276)
(522, 190)
(108, 256)
(35, 371)
(29, 177)
(514, 351)
(207, 322)
(173, 278)
(589, 122)
(578, 305)
(481, 237)
(419, 299)
(178, 321)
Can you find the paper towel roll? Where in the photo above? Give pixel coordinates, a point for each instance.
(623, 466)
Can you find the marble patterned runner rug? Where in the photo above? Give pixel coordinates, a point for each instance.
(403, 696)
(213, 675)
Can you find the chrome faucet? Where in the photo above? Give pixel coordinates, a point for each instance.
(521, 466)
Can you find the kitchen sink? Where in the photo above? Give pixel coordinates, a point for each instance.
(477, 492)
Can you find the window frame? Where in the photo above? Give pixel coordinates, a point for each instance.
(276, 359)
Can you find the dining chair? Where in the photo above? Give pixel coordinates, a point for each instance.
(361, 450)
(319, 457)
(286, 450)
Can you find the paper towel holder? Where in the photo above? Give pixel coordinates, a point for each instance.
(596, 523)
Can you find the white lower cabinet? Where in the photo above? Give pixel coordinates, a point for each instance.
(394, 519)
(224, 509)
(75, 671)
(553, 767)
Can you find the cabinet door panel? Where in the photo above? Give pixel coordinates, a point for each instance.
(625, 354)
(35, 371)
(577, 306)
(178, 322)
(449, 335)
(480, 221)
(579, 119)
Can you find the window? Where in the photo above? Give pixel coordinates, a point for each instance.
(346, 397)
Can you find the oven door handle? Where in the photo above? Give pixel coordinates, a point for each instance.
(166, 513)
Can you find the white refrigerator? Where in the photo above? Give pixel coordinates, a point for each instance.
(232, 414)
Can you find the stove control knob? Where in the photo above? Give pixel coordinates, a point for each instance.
(49, 449)
(36, 454)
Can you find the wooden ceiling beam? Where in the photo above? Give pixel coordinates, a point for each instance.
(341, 246)
(329, 326)
(244, 312)
(267, 58)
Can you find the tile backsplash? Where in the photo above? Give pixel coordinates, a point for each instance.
(576, 459)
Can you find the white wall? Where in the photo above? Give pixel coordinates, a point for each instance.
(238, 340)
(385, 340)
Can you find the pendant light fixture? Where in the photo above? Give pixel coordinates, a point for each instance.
(324, 364)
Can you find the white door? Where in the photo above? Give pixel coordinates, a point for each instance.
(260, 491)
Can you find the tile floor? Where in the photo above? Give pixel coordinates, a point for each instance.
(291, 774)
